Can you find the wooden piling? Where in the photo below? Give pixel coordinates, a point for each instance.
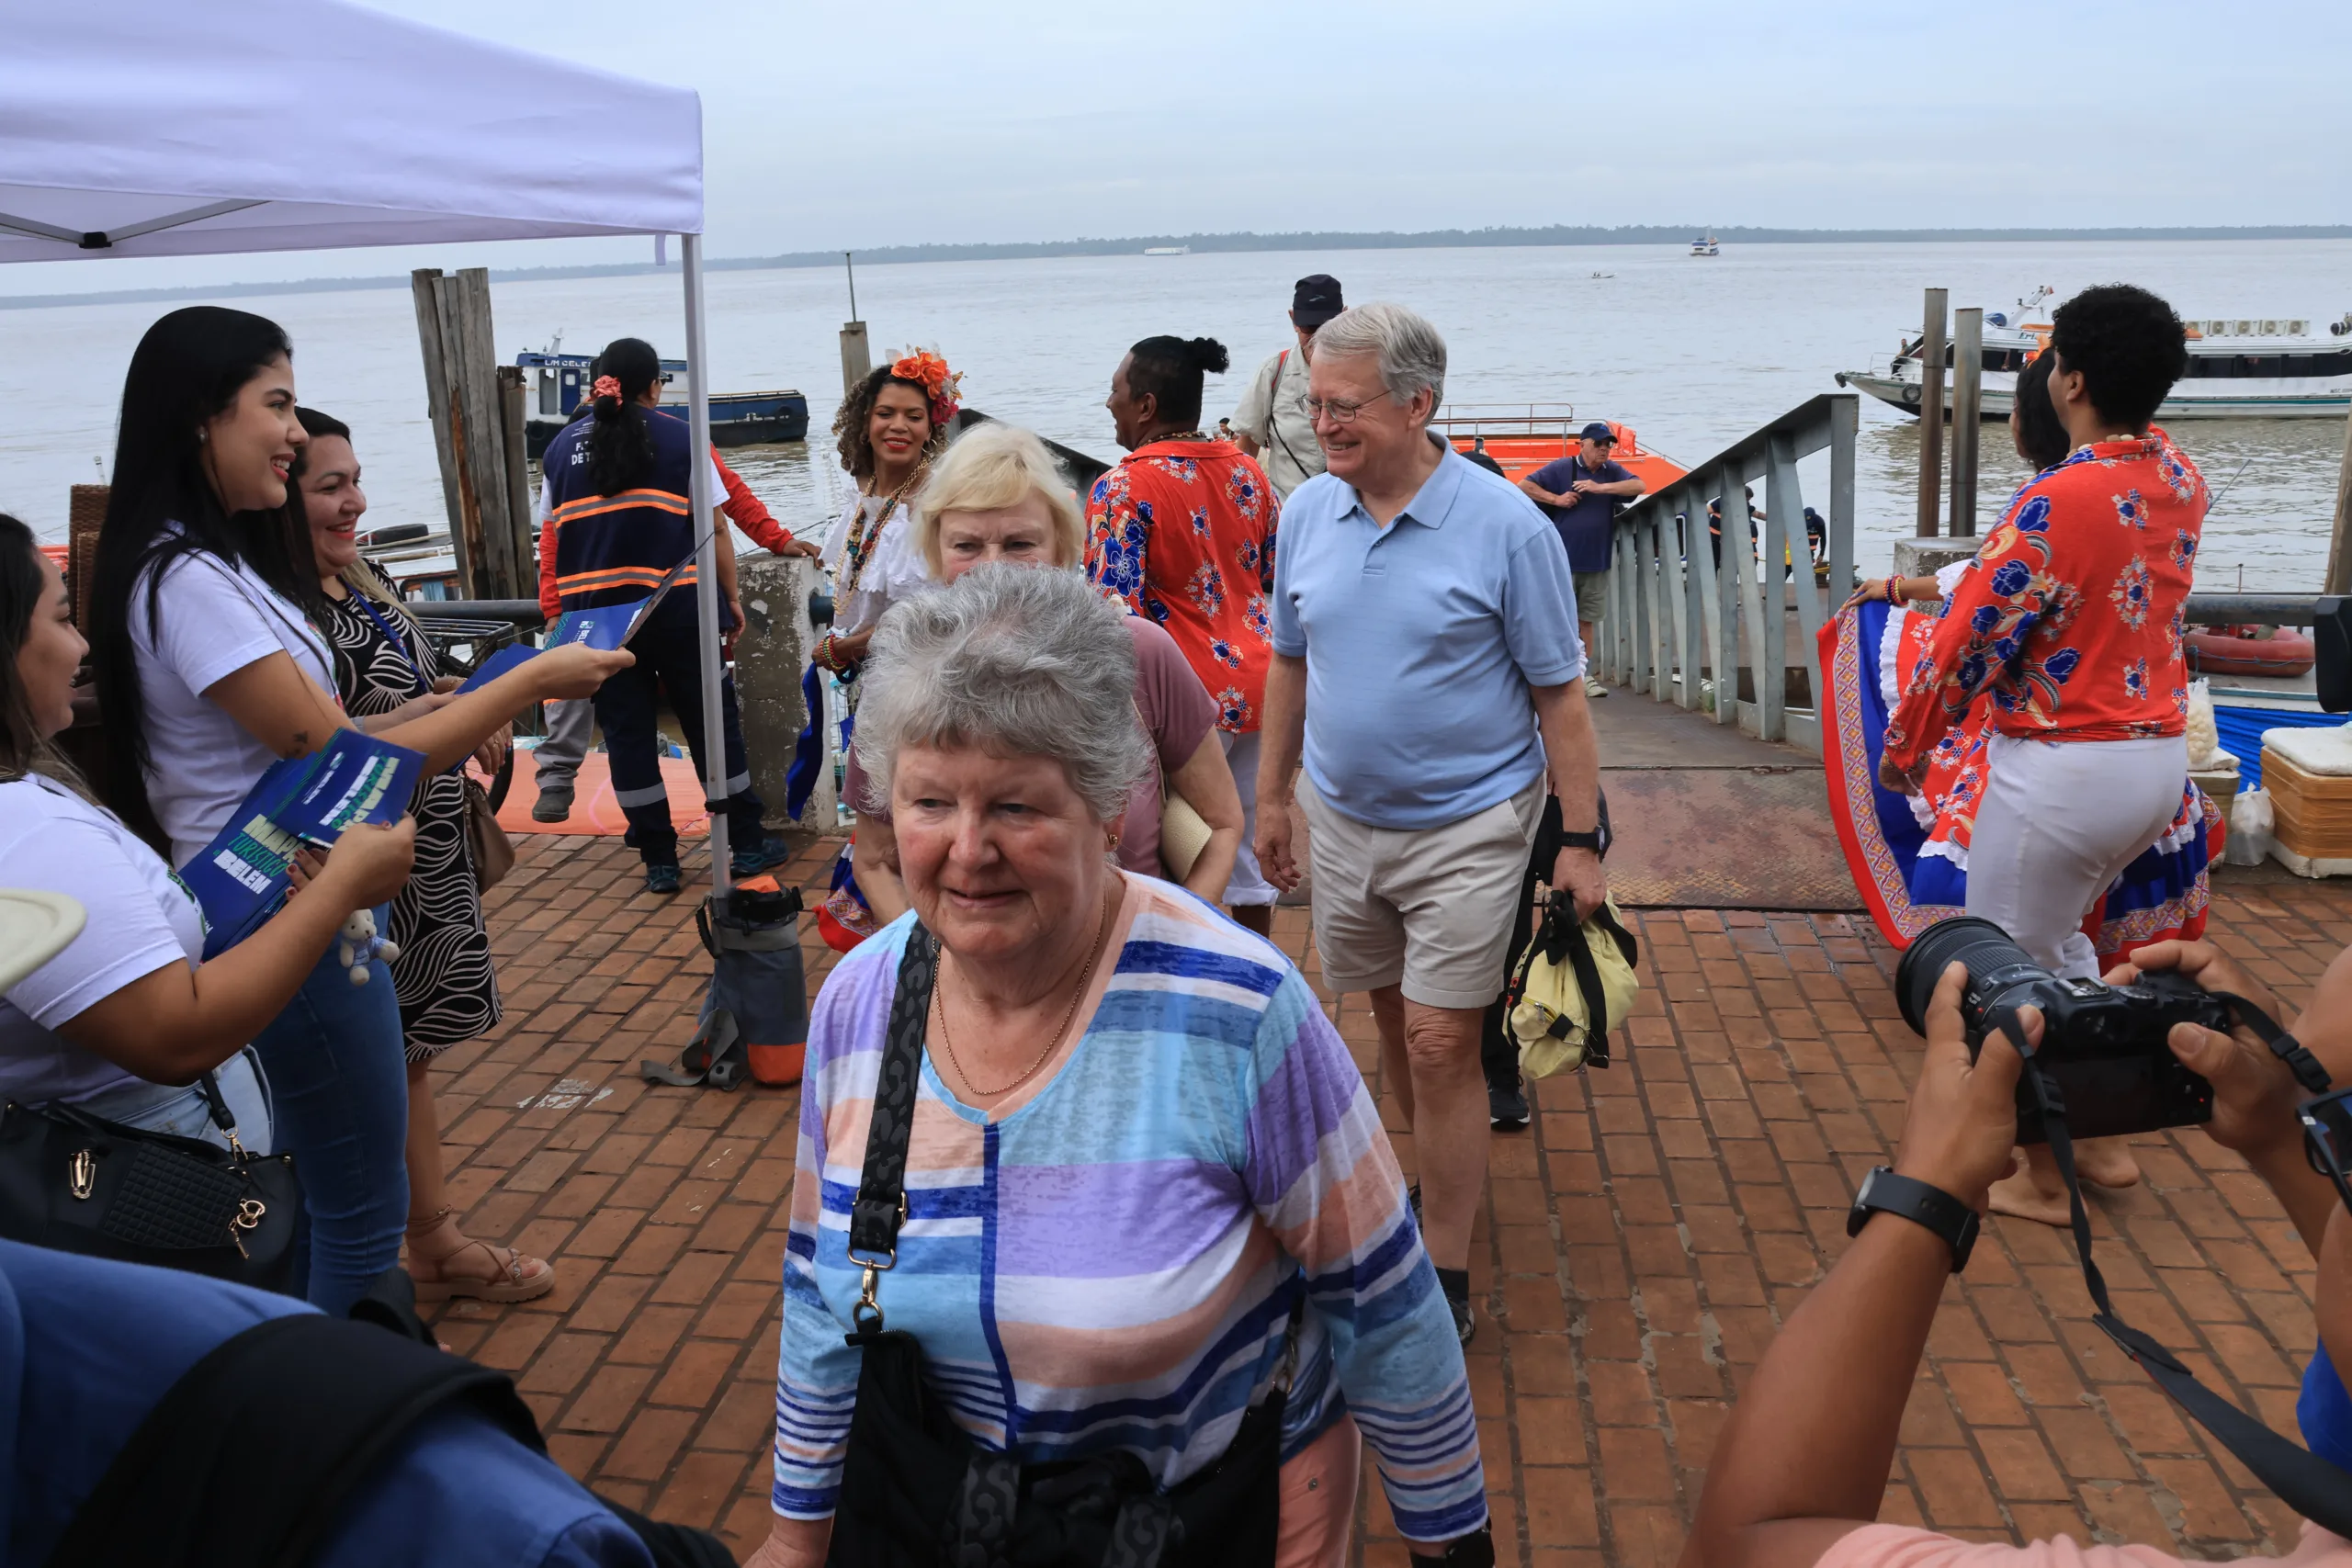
(483, 485)
(2339, 547)
(1967, 410)
(1931, 413)
(522, 508)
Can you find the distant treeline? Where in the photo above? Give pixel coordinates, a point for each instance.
(1427, 239)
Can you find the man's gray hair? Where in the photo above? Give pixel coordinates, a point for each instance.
(1410, 354)
(1015, 661)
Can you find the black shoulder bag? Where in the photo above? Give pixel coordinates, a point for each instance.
(75, 1182)
(2315, 1489)
(916, 1492)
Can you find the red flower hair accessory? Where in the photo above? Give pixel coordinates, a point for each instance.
(929, 372)
(606, 386)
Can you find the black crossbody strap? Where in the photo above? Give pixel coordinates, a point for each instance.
(2315, 1489)
(880, 1207)
(2283, 1045)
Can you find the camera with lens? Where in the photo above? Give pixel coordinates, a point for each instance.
(2102, 1046)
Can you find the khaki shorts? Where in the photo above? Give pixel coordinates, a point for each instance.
(1592, 596)
(1429, 909)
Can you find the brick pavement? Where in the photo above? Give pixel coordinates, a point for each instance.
(1639, 1245)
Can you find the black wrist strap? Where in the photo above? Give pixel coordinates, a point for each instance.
(2315, 1489)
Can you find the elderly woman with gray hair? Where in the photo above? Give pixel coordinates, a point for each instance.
(1094, 1226)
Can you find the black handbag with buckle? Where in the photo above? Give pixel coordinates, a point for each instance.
(916, 1492)
(75, 1182)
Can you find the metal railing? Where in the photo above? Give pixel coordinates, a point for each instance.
(1672, 612)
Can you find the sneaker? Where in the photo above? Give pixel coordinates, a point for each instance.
(553, 806)
(1465, 1321)
(661, 877)
(1593, 688)
(1507, 1107)
(765, 856)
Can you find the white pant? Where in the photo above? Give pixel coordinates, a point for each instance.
(2059, 822)
(1249, 884)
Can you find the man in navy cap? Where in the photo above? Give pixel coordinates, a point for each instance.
(1271, 424)
(1581, 494)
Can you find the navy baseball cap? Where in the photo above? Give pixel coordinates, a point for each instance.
(1315, 300)
(1598, 431)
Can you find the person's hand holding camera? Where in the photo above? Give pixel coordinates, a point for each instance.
(1961, 1131)
(2254, 1094)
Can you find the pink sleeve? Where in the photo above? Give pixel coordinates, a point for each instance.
(1901, 1546)
(1176, 708)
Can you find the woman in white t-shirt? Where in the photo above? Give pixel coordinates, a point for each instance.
(125, 1020)
(209, 669)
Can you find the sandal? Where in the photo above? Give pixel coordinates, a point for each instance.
(516, 1277)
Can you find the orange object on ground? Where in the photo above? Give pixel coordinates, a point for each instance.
(594, 809)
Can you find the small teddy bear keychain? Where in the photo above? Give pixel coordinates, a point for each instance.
(357, 945)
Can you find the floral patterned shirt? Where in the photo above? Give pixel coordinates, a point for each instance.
(2072, 612)
(1184, 532)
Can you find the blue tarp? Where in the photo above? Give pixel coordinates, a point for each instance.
(2241, 731)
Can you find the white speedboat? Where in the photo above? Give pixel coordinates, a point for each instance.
(2242, 368)
(1705, 245)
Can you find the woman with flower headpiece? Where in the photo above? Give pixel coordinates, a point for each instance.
(889, 428)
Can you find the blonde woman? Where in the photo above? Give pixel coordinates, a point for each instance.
(997, 497)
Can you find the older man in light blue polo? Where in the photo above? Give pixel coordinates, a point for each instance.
(1426, 655)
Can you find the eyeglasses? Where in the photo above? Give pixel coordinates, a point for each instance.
(1340, 412)
(2327, 1138)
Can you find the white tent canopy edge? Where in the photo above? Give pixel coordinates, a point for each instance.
(148, 128)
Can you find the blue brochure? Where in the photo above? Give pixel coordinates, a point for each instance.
(498, 664)
(604, 628)
(240, 878)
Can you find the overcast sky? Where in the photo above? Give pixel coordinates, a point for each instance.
(897, 121)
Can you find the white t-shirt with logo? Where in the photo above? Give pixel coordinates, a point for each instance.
(211, 620)
(141, 918)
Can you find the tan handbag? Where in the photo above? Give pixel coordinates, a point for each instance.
(487, 845)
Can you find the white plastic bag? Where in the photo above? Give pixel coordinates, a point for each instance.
(2250, 825)
(2204, 738)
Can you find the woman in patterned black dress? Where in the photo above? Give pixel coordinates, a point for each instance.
(445, 981)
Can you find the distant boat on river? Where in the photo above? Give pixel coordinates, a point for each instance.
(1705, 245)
(558, 382)
(2239, 368)
(1168, 249)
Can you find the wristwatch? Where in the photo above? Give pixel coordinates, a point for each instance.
(1470, 1551)
(1590, 840)
(1883, 1190)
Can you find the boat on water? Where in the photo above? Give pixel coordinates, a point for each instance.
(1706, 245)
(1168, 249)
(1522, 437)
(2239, 368)
(559, 384)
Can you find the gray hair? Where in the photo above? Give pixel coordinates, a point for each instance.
(1015, 661)
(1410, 353)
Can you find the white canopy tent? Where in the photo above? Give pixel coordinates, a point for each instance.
(150, 128)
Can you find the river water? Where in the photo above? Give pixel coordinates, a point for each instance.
(1690, 353)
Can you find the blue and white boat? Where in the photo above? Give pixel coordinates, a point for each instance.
(559, 383)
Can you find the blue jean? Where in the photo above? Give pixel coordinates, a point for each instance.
(338, 1085)
(185, 1112)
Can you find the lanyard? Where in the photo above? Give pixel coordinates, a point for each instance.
(393, 637)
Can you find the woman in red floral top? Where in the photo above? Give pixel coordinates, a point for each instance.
(1182, 531)
(2071, 617)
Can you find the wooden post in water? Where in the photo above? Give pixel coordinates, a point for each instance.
(1932, 413)
(490, 539)
(2339, 548)
(857, 358)
(514, 412)
(422, 284)
(1967, 407)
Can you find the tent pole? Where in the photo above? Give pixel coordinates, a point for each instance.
(703, 508)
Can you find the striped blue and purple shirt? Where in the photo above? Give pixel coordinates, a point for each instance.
(1108, 1259)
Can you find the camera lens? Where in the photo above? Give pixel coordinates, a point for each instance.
(1995, 965)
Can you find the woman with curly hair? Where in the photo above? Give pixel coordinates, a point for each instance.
(888, 430)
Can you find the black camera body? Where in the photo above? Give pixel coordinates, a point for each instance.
(2102, 1046)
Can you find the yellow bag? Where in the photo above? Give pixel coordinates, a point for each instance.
(1573, 984)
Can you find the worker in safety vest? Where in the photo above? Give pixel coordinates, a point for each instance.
(615, 517)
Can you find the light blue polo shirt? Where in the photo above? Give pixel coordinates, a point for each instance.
(1420, 641)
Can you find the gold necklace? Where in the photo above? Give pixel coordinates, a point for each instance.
(939, 1005)
(863, 540)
